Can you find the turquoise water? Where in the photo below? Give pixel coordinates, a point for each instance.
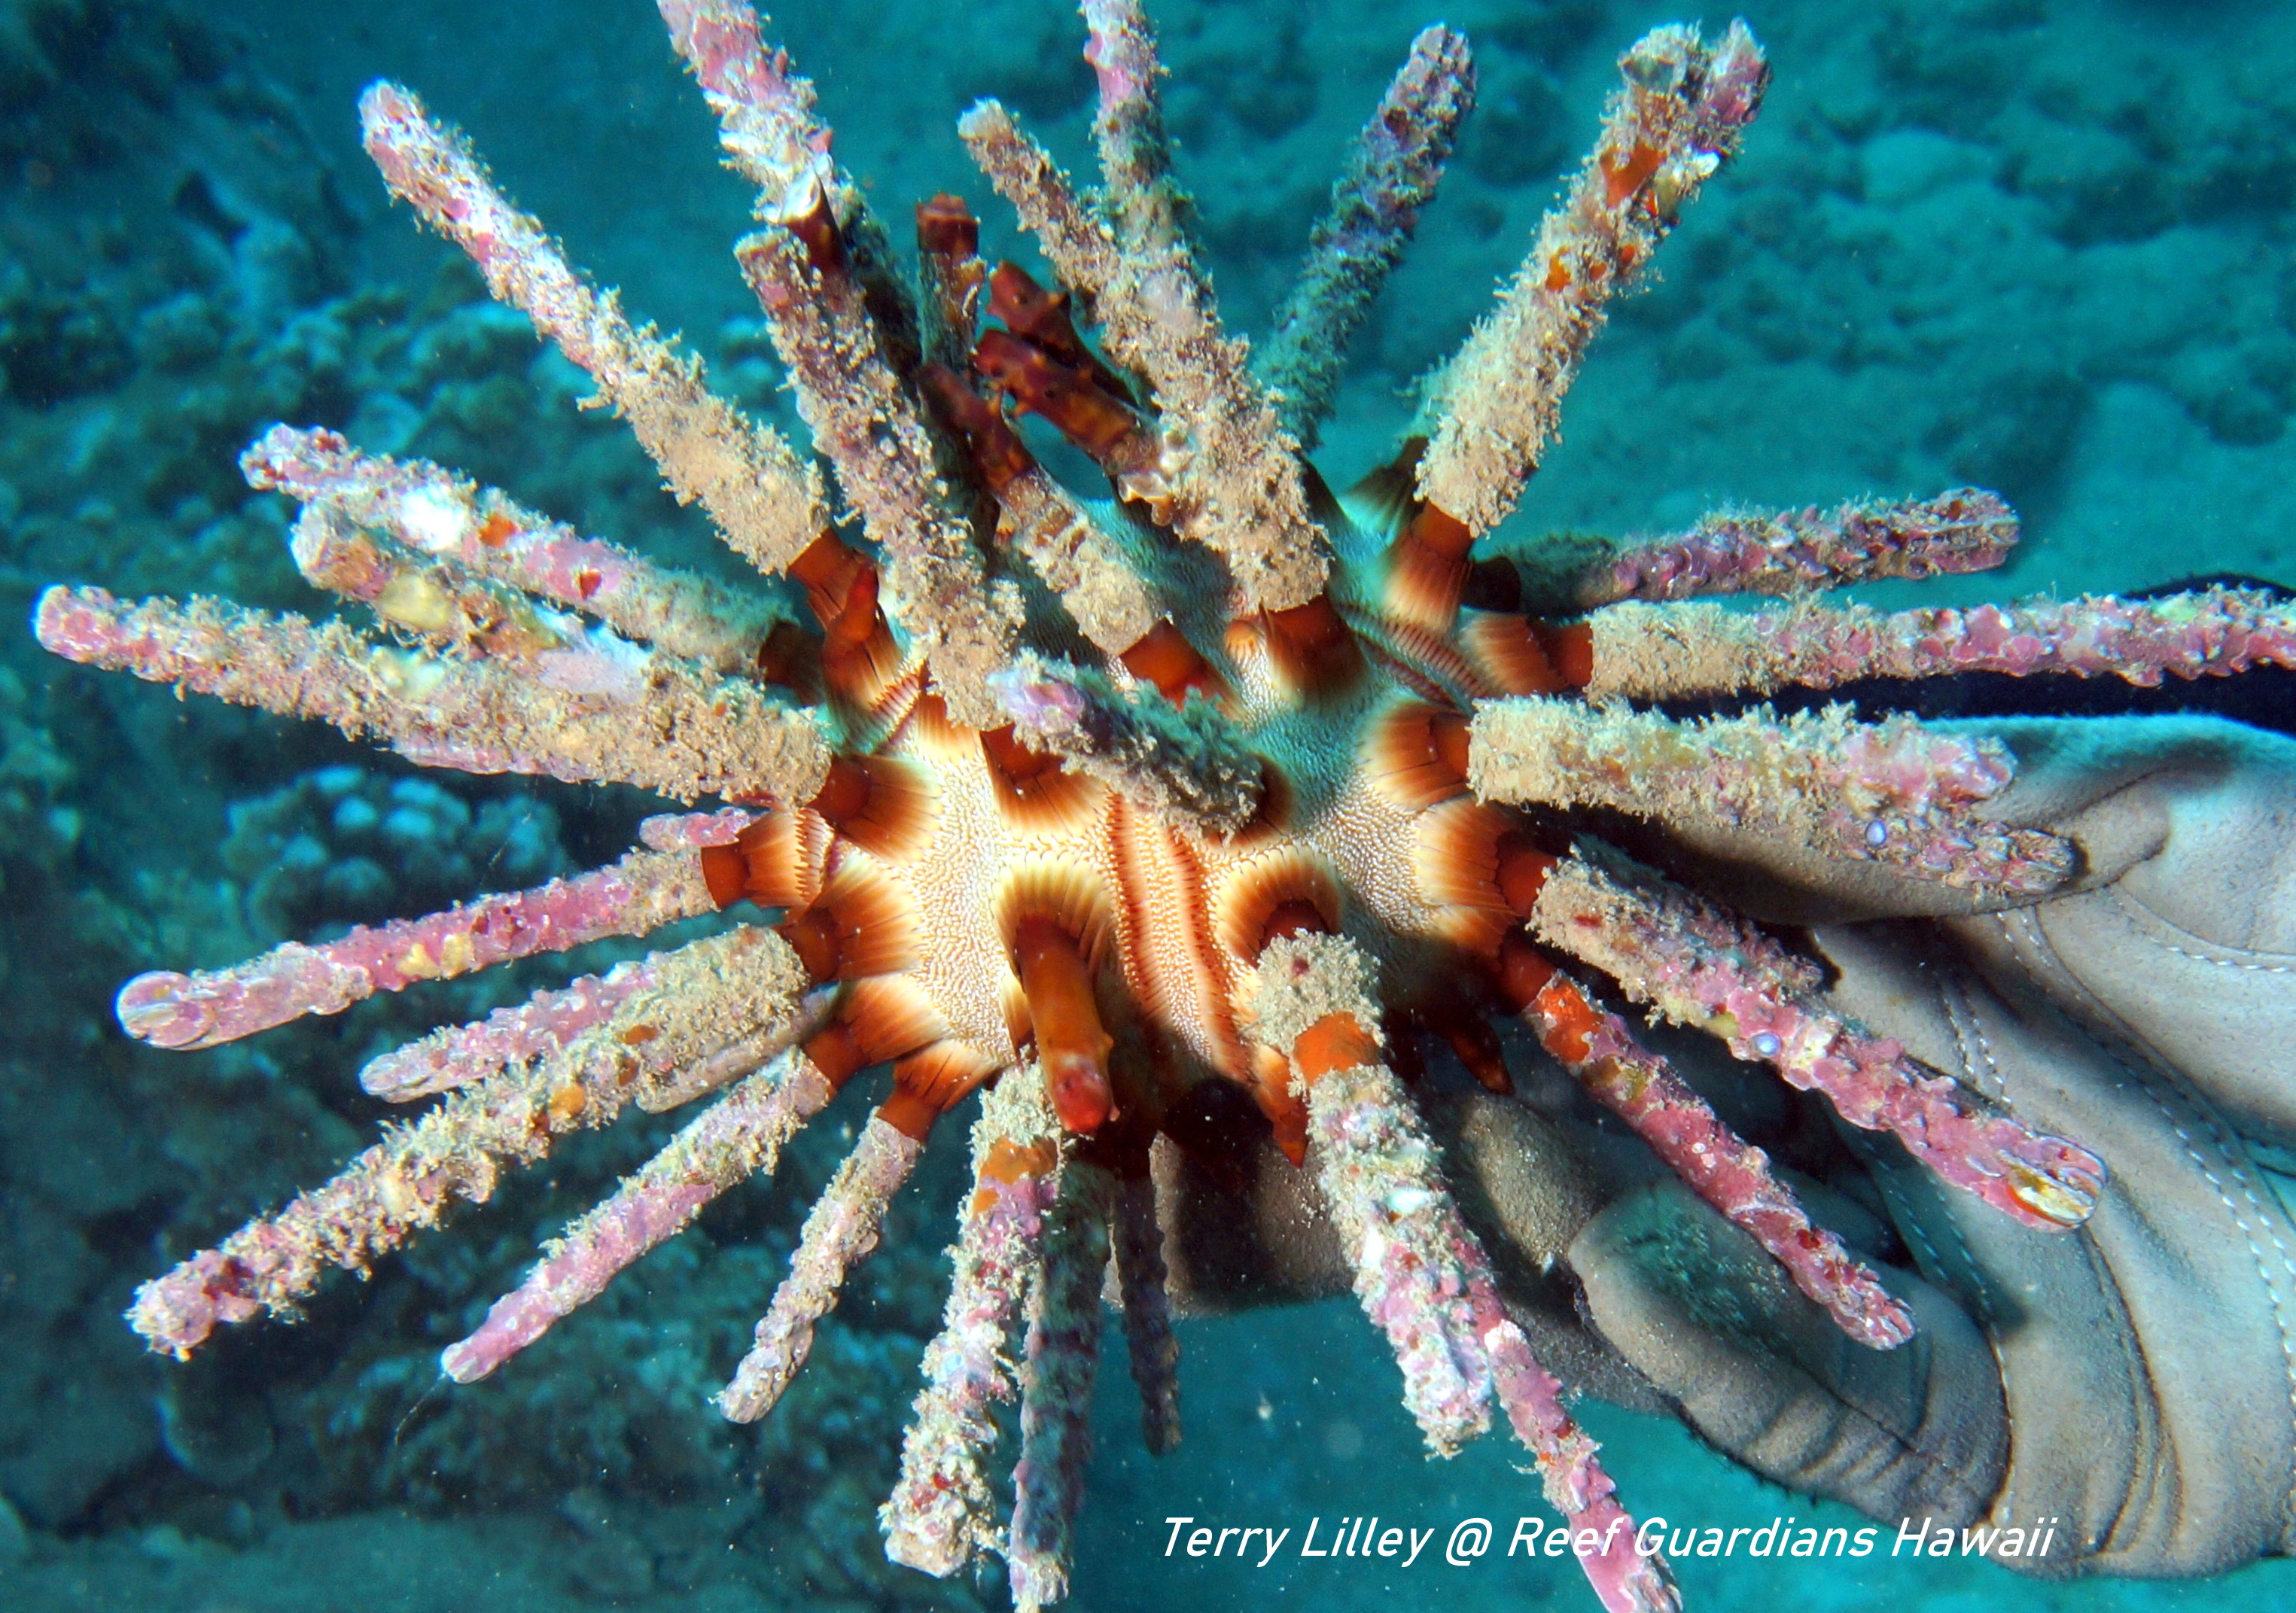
(2038, 245)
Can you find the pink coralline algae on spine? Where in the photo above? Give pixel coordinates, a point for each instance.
(1107, 813)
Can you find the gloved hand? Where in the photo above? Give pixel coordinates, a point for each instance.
(2135, 1379)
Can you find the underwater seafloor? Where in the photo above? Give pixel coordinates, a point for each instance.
(2043, 245)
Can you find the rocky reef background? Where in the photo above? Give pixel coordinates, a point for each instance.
(2041, 245)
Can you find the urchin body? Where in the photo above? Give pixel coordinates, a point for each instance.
(1155, 821)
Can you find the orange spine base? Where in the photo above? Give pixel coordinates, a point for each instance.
(791, 656)
(776, 861)
(725, 872)
(1070, 1044)
(876, 1020)
(1520, 656)
(1041, 317)
(1477, 1046)
(861, 926)
(1018, 768)
(1162, 656)
(1524, 970)
(995, 449)
(1287, 1115)
(1427, 569)
(1312, 648)
(1571, 649)
(1297, 916)
(858, 656)
(1070, 398)
(928, 1084)
(817, 227)
(947, 229)
(881, 803)
(1522, 871)
(1417, 754)
(908, 1113)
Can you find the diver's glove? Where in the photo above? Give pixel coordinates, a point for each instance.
(2132, 1384)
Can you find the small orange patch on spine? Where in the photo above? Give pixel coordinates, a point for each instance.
(1568, 1022)
(497, 529)
(1549, 1001)
(1624, 175)
(1070, 1043)
(1337, 1041)
(1009, 1161)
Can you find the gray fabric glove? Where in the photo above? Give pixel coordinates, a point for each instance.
(2134, 1381)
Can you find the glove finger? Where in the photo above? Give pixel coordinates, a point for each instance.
(1761, 1373)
